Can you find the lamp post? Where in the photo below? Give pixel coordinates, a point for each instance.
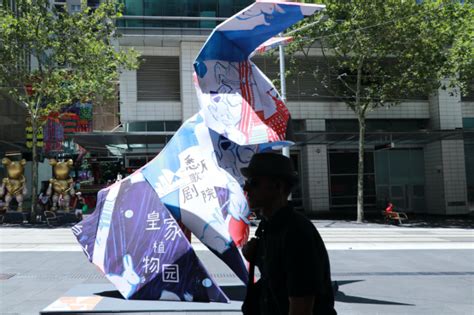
(285, 150)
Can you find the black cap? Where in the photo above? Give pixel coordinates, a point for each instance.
(270, 164)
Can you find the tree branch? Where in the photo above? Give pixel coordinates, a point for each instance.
(333, 92)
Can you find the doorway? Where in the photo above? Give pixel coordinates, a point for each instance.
(400, 179)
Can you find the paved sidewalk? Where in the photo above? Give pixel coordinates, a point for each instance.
(348, 237)
(381, 269)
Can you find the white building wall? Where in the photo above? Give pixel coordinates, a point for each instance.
(339, 110)
(446, 109)
(445, 169)
(189, 52)
(444, 160)
(445, 177)
(454, 175)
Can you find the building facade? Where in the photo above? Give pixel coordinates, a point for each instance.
(430, 169)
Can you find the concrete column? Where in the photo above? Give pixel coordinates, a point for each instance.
(445, 169)
(315, 178)
(315, 172)
(446, 109)
(445, 177)
(128, 96)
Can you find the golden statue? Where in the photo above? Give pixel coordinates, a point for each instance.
(14, 184)
(62, 185)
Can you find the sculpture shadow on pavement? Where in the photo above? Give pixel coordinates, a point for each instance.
(343, 298)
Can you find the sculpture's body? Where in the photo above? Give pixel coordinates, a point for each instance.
(13, 186)
(62, 185)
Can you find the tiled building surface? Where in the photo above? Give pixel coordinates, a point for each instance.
(444, 185)
(428, 170)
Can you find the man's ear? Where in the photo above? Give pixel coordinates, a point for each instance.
(70, 162)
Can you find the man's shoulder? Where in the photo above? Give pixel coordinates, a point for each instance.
(300, 224)
(299, 218)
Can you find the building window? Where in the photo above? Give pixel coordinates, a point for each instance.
(377, 125)
(158, 79)
(75, 8)
(343, 167)
(468, 123)
(188, 8)
(400, 179)
(154, 125)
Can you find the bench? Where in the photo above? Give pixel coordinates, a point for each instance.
(390, 216)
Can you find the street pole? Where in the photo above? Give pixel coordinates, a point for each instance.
(285, 150)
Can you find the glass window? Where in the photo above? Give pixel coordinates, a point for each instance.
(137, 126)
(155, 126)
(417, 167)
(382, 171)
(93, 3)
(198, 8)
(343, 163)
(468, 123)
(172, 125)
(343, 179)
(399, 167)
(376, 125)
(348, 162)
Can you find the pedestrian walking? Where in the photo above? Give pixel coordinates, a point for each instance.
(288, 250)
(79, 205)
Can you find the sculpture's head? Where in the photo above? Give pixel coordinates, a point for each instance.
(61, 169)
(15, 169)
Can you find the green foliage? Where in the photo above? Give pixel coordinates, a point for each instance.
(378, 53)
(73, 56)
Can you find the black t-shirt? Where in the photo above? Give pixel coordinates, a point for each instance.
(293, 261)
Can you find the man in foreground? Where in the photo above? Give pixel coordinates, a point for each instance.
(291, 256)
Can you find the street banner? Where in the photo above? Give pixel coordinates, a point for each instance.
(133, 235)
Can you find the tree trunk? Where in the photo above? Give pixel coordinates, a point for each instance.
(34, 169)
(361, 110)
(360, 176)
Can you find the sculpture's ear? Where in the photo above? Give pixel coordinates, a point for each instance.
(53, 162)
(23, 162)
(6, 161)
(70, 162)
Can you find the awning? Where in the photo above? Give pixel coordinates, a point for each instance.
(116, 143)
(421, 137)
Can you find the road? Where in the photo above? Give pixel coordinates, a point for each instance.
(380, 269)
